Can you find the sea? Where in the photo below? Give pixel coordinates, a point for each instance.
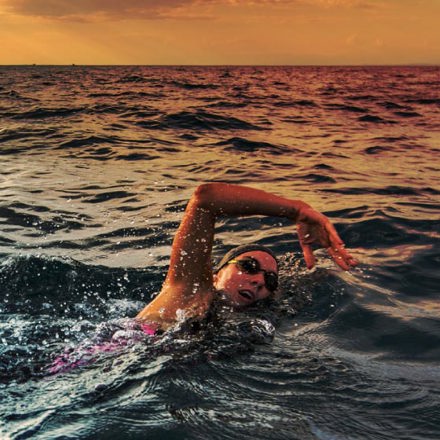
(97, 164)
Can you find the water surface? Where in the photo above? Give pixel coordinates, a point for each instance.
(97, 164)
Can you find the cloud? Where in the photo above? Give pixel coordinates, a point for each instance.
(97, 10)
(346, 3)
(102, 10)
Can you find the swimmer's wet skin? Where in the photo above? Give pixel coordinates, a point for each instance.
(192, 283)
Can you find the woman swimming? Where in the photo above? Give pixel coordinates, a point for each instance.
(245, 274)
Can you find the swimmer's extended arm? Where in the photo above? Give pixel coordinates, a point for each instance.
(189, 282)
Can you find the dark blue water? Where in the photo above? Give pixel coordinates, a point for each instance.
(96, 166)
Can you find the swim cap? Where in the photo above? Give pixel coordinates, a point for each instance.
(235, 252)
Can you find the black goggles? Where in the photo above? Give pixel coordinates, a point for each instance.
(252, 266)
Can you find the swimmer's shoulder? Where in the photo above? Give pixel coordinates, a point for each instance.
(171, 307)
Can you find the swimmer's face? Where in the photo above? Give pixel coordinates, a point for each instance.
(243, 288)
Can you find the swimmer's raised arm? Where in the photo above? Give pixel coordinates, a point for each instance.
(189, 282)
(313, 227)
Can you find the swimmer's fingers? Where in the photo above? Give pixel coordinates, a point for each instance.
(348, 258)
(338, 259)
(306, 238)
(315, 228)
(330, 240)
(338, 252)
(308, 255)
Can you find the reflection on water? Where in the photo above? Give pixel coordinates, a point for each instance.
(97, 165)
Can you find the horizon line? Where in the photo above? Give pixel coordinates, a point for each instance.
(221, 65)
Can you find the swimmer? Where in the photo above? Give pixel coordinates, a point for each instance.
(246, 274)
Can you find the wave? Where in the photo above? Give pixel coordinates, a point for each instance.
(139, 112)
(246, 145)
(375, 119)
(31, 281)
(400, 338)
(408, 114)
(297, 120)
(142, 156)
(25, 216)
(108, 195)
(318, 178)
(16, 96)
(192, 86)
(296, 103)
(27, 137)
(393, 190)
(227, 104)
(44, 113)
(392, 139)
(132, 79)
(126, 94)
(424, 101)
(198, 120)
(88, 141)
(347, 108)
(368, 98)
(376, 149)
(391, 105)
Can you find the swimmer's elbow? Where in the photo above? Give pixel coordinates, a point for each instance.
(204, 194)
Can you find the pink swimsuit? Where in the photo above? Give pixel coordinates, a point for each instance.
(84, 356)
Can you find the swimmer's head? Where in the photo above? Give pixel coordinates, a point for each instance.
(247, 274)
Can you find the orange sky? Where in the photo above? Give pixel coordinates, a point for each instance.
(219, 31)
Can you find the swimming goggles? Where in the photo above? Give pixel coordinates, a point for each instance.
(252, 266)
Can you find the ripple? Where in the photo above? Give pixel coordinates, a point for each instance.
(44, 113)
(391, 105)
(192, 86)
(87, 141)
(425, 101)
(318, 178)
(296, 103)
(28, 137)
(141, 156)
(246, 145)
(347, 108)
(199, 121)
(375, 119)
(108, 195)
(376, 149)
(227, 104)
(408, 114)
(388, 190)
(132, 79)
(57, 222)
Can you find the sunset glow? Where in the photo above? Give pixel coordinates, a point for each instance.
(287, 32)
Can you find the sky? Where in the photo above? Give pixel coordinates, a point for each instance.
(220, 32)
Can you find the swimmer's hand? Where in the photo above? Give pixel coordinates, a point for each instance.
(315, 228)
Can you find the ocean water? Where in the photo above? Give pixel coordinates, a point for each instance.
(97, 164)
